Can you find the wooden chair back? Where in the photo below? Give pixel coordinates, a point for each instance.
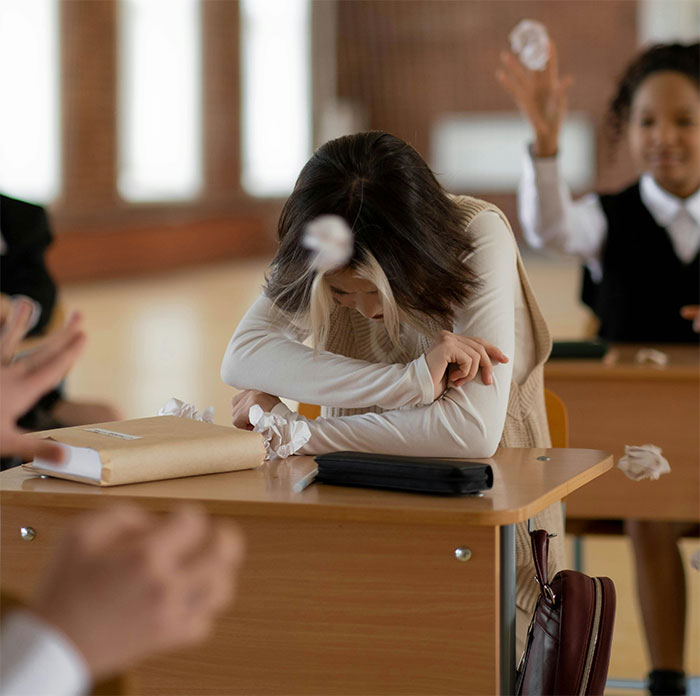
(557, 418)
(310, 411)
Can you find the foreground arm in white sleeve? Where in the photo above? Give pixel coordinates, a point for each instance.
(265, 353)
(38, 659)
(466, 421)
(551, 219)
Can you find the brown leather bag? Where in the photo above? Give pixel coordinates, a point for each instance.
(570, 635)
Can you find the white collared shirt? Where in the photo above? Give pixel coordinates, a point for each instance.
(552, 220)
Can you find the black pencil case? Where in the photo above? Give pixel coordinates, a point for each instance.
(593, 349)
(416, 474)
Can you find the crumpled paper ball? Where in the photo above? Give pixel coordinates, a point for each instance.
(530, 42)
(330, 237)
(175, 407)
(282, 437)
(643, 462)
(695, 560)
(651, 355)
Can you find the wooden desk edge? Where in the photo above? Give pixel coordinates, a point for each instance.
(332, 512)
(572, 485)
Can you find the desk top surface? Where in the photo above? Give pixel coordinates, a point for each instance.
(620, 362)
(523, 485)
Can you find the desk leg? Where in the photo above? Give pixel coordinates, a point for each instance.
(507, 613)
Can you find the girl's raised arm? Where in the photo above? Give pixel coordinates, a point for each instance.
(547, 213)
(551, 219)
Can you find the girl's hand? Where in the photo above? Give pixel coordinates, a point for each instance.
(457, 359)
(241, 403)
(25, 378)
(540, 95)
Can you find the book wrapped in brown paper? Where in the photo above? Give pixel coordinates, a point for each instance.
(149, 449)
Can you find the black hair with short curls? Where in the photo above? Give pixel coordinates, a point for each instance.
(681, 58)
(398, 212)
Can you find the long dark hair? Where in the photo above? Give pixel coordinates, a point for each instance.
(681, 58)
(399, 214)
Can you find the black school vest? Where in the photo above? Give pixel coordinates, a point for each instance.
(644, 283)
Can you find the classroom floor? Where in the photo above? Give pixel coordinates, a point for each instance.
(161, 336)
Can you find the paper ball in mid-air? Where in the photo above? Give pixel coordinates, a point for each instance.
(530, 42)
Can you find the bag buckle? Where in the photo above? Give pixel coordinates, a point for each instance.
(547, 591)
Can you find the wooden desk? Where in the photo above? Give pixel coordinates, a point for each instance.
(615, 402)
(345, 591)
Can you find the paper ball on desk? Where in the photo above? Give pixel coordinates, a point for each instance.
(530, 42)
(175, 407)
(652, 356)
(283, 437)
(643, 462)
(695, 560)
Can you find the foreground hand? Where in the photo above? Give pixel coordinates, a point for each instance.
(540, 95)
(692, 313)
(125, 584)
(30, 376)
(458, 359)
(241, 403)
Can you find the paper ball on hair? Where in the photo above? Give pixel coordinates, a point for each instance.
(330, 237)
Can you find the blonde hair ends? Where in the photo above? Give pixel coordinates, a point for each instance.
(322, 304)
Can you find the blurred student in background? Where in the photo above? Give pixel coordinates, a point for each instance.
(124, 583)
(640, 250)
(639, 246)
(25, 236)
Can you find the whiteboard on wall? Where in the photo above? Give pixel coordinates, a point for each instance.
(483, 151)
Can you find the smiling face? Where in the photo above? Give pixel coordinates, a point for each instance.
(357, 293)
(663, 131)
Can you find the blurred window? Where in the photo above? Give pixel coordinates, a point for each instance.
(160, 96)
(30, 114)
(276, 94)
(667, 21)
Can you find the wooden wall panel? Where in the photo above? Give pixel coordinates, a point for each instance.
(138, 250)
(89, 103)
(221, 82)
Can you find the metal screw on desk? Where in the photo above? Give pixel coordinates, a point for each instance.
(463, 554)
(543, 459)
(27, 533)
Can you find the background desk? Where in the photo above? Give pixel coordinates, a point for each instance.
(621, 403)
(345, 591)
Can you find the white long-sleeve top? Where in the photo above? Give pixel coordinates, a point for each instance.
(552, 220)
(38, 660)
(265, 353)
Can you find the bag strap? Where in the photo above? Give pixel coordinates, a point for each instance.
(539, 540)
